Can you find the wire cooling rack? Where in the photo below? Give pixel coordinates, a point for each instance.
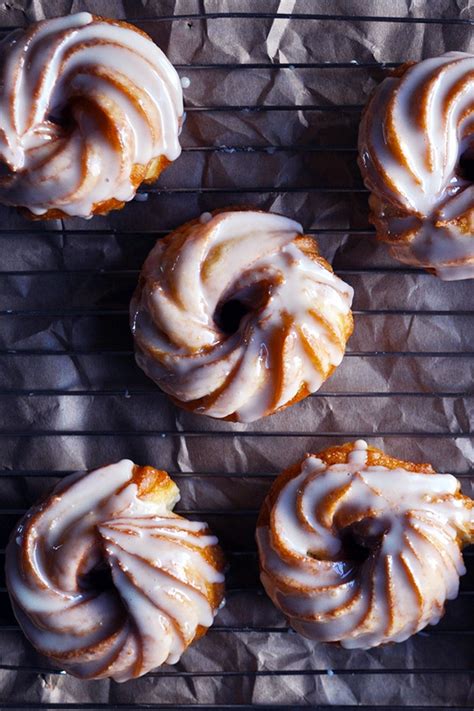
(72, 397)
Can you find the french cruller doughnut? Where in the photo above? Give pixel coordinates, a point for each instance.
(360, 548)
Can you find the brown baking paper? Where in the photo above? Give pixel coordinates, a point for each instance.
(68, 285)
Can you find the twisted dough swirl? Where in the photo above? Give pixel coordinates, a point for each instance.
(295, 323)
(89, 108)
(413, 136)
(360, 548)
(106, 580)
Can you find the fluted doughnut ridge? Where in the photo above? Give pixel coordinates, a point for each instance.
(358, 548)
(106, 580)
(89, 109)
(414, 134)
(293, 331)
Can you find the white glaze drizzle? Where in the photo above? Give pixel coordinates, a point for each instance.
(124, 103)
(160, 577)
(424, 209)
(418, 523)
(251, 257)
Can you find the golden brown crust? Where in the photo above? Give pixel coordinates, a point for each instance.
(140, 174)
(121, 23)
(156, 485)
(398, 72)
(336, 455)
(152, 484)
(391, 205)
(339, 454)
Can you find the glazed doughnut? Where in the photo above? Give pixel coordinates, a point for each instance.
(362, 549)
(89, 109)
(106, 580)
(237, 316)
(415, 148)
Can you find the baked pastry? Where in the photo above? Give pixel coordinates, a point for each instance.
(236, 315)
(416, 157)
(106, 580)
(362, 549)
(89, 109)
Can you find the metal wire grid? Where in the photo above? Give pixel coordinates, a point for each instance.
(239, 559)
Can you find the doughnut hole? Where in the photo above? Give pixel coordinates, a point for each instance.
(63, 117)
(465, 168)
(98, 578)
(232, 309)
(360, 539)
(229, 315)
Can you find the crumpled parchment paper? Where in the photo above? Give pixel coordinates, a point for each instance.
(72, 397)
